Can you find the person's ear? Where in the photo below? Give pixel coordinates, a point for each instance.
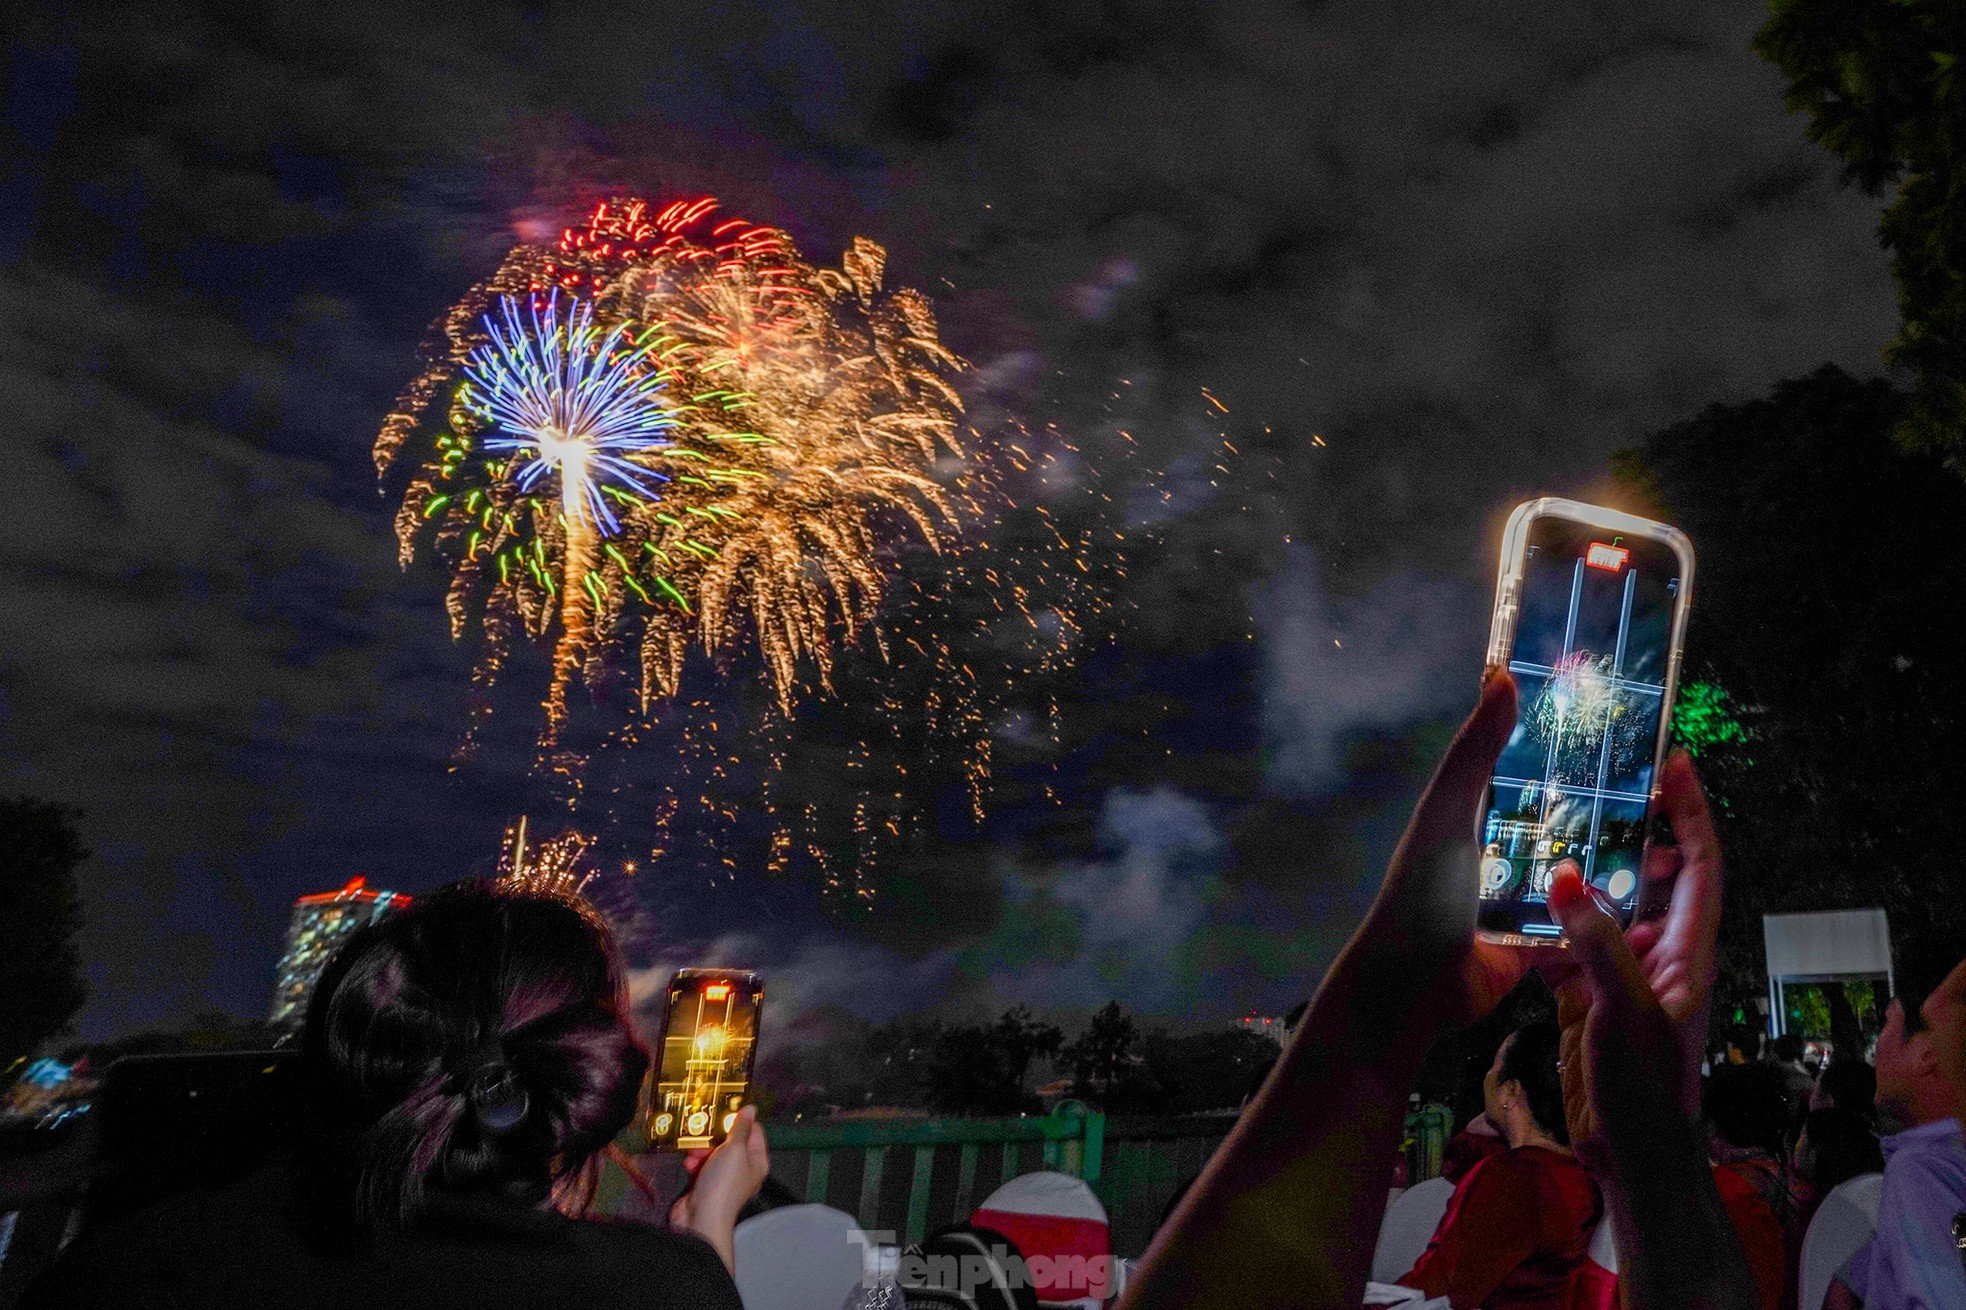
(1920, 1052)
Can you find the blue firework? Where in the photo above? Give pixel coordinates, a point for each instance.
(571, 399)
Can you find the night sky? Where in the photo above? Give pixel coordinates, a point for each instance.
(1473, 248)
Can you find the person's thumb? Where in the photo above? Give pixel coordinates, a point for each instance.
(1597, 942)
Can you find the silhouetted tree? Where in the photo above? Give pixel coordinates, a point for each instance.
(1203, 1072)
(983, 1069)
(1107, 1065)
(1880, 82)
(1826, 603)
(41, 983)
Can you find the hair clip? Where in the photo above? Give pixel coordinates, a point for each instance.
(499, 1101)
(500, 1104)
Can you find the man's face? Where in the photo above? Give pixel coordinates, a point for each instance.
(1901, 1060)
(1944, 1013)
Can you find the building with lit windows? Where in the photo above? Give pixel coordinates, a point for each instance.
(1274, 1027)
(321, 923)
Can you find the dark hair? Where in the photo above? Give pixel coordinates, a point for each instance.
(1920, 966)
(1745, 1038)
(1849, 1083)
(1748, 1106)
(1529, 1059)
(1786, 1047)
(1841, 1146)
(477, 1042)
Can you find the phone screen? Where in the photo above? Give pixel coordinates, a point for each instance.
(703, 1069)
(1592, 659)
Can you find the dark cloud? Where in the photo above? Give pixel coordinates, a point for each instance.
(1428, 258)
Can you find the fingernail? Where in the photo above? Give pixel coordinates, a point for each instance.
(1567, 892)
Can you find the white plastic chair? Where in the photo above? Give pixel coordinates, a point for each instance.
(1059, 1210)
(1604, 1251)
(1844, 1222)
(799, 1257)
(1408, 1226)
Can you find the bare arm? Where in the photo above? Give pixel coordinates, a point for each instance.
(1629, 1019)
(1287, 1212)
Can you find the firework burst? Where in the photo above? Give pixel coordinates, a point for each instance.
(556, 867)
(570, 401)
(772, 472)
(566, 402)
(1580, 712)
(811, 412)
(821, 413)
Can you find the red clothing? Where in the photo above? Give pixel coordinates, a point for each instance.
(1761, 1231)
(1515, 1233)
(1465, 1150)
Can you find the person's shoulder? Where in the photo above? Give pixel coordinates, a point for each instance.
(1522, 1168)
(1938, 1161)
(1564, 1190)
(683, 1260)
(1540, 1162)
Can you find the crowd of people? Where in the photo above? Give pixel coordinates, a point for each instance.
(468, 1062)
(1781, 1136)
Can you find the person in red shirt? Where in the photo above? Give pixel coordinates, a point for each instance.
(1764, 1239)
(1519, 1225)
(1747, 1111)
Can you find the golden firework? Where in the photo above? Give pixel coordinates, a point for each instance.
(809, 426)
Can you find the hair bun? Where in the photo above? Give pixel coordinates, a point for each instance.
(499, 1101)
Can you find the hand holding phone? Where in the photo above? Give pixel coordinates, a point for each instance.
(1590, 617)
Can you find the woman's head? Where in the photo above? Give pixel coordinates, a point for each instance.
(1747, 1107)
(1836, 1146)
(475, 1042)
(1523, 1085)
(1847, 1082)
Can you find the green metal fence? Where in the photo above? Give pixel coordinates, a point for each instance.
(908, 1177)
(898, 1175)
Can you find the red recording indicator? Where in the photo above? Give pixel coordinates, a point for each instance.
(716, 991)
(1610, 558)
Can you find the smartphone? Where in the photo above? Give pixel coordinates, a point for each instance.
(703, 1066)
(1590, 616)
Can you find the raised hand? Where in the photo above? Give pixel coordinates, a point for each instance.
(1424, 917)
(1675, 935)
(1622, 1054)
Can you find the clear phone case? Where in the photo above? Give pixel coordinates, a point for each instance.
(1542, 679)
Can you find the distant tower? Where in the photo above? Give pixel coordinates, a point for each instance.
(321, 923)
